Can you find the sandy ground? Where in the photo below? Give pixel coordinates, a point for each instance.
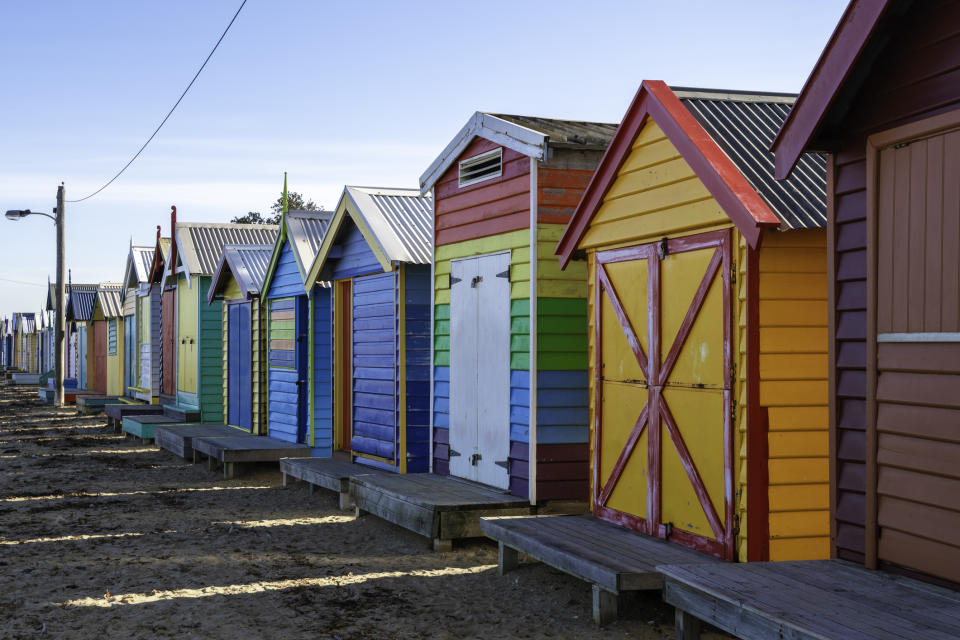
(101, 536)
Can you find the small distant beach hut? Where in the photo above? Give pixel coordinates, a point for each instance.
(26, 344)
(376, 257)
(707, 328)
(884, 101)
(6, 347)
(510, 345)
(238, 282)
(298, 329)
(188, 323)
(143, 335)
(106, 320)
(80, 299)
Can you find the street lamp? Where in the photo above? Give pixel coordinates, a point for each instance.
(18, 214)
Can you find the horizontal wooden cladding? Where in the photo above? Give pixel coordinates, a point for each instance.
(559, 192)
(486, 208)
(918, 230)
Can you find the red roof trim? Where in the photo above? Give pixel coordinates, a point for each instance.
(740, 201)
(844, 48)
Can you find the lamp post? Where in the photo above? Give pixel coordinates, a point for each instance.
(18, 214)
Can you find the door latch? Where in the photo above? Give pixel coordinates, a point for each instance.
(475, 458)
(476, 280)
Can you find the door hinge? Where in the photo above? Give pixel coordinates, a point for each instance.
(454, 281)
(505, 274)
(454, 454)
(475, 281)
(502, 463)
(662, 248)
(733, 273)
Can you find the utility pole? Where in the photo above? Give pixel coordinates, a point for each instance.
(61, 319)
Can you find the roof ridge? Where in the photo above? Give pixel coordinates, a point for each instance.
(733, 95)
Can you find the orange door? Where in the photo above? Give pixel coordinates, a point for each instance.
(663, 434)
(343, 377)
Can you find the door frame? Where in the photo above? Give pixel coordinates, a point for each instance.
(342, 365)
(657, 371)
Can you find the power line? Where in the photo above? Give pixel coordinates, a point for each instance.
(32, 284)
(170, 113)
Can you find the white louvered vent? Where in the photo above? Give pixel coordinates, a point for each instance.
(482, 167)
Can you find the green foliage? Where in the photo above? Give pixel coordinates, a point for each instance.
(295, 202)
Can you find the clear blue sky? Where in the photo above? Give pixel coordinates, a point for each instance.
(334, 93)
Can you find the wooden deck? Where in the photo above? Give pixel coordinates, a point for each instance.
(116, 412)
(815, 599)
(245, 448)
(328, 473)
(144, 426)
(178, 438)
(96, 403)
(442, 508)
(612, 558)
(71, 395)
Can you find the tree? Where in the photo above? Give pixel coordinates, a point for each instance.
(295, 202)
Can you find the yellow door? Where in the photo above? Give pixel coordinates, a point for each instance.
(186, 337)
(663, 449)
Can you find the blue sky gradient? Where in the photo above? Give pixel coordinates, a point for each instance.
(333, 93)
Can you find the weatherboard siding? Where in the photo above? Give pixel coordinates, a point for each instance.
(286, 280)
(283, 376)
(416, 368)
(210, 355)
(356, 258)
(375, 366)
(322, 396)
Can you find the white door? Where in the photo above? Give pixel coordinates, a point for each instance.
(480, 369)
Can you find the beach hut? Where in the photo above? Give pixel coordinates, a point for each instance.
(237, 282)
(503, 190)
(6, 342)
(375, 312)
(884, 101)
(79, 309)
(26, 343)
(707, 327)
(298, 327)
(105, 359)
(142, 302)
(190, 325)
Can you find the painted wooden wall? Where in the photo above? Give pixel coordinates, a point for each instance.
(254, 394)
(914, 78)
(657, 195)
(187, 342)
(321, 380)
(413, 345)
(356, 258)
(82, 355)
(285, 288)
(210, 357)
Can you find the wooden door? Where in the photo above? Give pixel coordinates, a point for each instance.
(343, 368)
(480, 369)
(663, 434)
(168, 339)
(913, 349)
(100, 356)
(239, 365)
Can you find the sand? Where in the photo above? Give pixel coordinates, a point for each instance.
(103, 536)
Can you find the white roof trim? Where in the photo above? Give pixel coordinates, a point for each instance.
(483, 125)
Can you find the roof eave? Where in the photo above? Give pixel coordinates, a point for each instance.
(513, 136)
(846, 44)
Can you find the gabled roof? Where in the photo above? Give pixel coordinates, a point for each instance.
(396, 223)
(834, 80)
(139, 262)
(80, 303)
(524, 134)
(199, 244)
(108, 300)
(155, 273)
(25, 322)
(247, 263)
(52, 292)
(305, 230)
(741, 200)
(744, 125)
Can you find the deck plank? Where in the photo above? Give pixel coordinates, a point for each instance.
(812, 599)
(248, 448)
(178, 438)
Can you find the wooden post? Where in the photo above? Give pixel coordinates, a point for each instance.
(604, 606)
(687, 627)
(61, 311)
(507, 558)
(442, 544)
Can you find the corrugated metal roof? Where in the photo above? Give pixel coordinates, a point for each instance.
(80, 304)
(401, 220)
(25, 322)
(143, 260)
(566, 133)
(108, 298)
(248, 263)
(305, 230)
(200, 245)
(744, 126)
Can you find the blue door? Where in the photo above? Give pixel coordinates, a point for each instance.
(239, 357)
(302, 363)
